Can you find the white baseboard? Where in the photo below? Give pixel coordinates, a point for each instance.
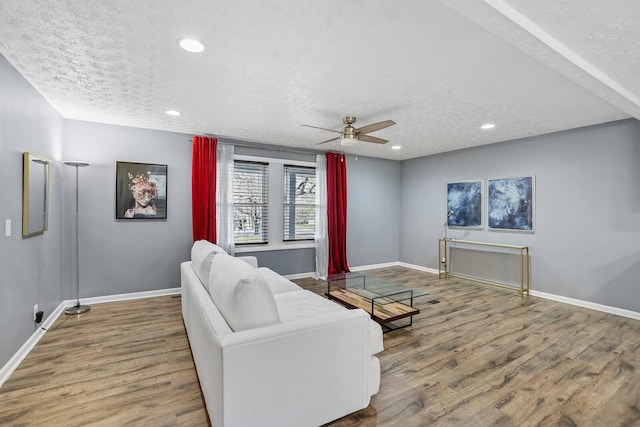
(367, 267)
(395, 264)
(357, 268)
(19, 356)
(587, 304)
(566, 300)
(373, 266)
(418, 267)
(300, 275)
(127, 297)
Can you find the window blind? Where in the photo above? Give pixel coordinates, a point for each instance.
(250, 202)
(299, 210)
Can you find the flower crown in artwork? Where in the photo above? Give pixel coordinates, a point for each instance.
(142, 183)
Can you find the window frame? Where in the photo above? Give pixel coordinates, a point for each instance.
(294, 205)
(275, 208)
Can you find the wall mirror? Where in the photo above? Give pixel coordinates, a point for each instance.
(35, 194)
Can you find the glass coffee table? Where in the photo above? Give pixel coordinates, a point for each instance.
(385, 301)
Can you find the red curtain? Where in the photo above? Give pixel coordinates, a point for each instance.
(337, 212)
(203, 188)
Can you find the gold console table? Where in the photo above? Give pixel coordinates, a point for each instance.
(525, 274)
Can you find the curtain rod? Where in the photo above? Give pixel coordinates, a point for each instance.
(266, 146)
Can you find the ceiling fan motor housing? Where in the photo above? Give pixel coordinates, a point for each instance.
(349, 135)
(349, 131)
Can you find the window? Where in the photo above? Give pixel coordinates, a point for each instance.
(273, 203)
(250, 202)
(299, 209)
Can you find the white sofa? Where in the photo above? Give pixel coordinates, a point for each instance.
(269, 353)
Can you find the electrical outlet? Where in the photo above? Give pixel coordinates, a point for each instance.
(35, 311)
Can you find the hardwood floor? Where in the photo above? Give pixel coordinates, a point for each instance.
(122, 363)
(479, 357)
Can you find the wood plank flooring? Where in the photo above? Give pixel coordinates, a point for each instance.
(122, 363)
(479, 357)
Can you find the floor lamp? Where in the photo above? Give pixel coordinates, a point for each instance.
(77, 309)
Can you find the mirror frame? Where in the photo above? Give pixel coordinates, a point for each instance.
(30, 186)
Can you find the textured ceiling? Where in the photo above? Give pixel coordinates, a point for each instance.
(439, 69)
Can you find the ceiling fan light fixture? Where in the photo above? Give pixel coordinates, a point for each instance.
(348, 140)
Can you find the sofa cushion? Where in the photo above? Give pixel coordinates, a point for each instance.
(303, 304)
(241, 294)
(276, 282)
(202, 253)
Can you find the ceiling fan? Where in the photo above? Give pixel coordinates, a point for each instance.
(350, 135)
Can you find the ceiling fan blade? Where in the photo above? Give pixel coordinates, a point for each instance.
(316, 127)
(369, 138)
(375, 126)
(328, 140)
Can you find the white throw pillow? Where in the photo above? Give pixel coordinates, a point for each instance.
(241, 294)
(202, 253)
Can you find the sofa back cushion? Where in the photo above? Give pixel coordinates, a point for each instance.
(202, 253)
(276, 282)
(241, 294)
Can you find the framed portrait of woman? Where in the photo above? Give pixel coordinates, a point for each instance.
(141, 191)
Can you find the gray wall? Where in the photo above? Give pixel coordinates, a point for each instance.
(373, 209)
(587, 208)
(30, 271)
(287, 261)
(123, 256)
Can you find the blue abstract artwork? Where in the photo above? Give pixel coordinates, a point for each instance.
(510, 203)
(464, 204)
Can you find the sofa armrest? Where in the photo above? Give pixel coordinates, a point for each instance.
(251, 260)
(307, 372)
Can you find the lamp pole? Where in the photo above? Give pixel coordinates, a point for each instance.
(77, 309)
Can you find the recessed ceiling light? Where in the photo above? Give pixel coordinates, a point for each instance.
(396, 147)
(488, 126)
(191, 45)
(173, 113)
